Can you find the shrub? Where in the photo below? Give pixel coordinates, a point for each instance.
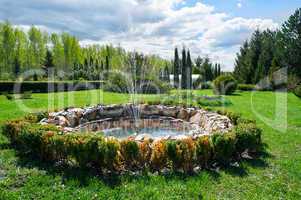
(234, 117)
(117, 82)
(224, 147)
(43, 86)
(159, 156)
(204, 150)
(154, 87)
(26, 95)
(297, 91)
(145, 150)
(246, 87)
(224, 85)
(130, 153)
(181, 153)
(248, 137)
(8, 96)
(112, 155)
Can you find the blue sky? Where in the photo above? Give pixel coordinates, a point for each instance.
(213, 28)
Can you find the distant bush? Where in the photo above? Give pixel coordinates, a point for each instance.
(117, 82)
(26, 95)
(224, 85)
(8, 96)
(297, 91)
(246, 87)
(47, 86)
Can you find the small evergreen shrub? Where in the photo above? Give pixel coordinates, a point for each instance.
(224, 85)
(112, 155)
(181, 153)
(224, 147)
(145, 149)
(159, 155)
(204, 151)
(130, 153)
(248, 137)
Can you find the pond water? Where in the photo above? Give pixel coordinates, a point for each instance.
(153, 132)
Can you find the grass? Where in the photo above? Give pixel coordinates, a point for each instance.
(276, 176)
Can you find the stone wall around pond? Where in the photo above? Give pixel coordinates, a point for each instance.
(200, 121)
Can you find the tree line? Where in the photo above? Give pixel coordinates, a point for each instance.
(267, 51)
(184, 68)
(63, 56)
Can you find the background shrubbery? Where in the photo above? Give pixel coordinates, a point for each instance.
(224, 85)
(42, 86)
(92, 149)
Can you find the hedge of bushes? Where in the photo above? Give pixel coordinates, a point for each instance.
(246, 87)
(47, 86)
(108, 154)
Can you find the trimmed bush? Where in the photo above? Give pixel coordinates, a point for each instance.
(112, 155)
(224, 147)
(224, 85)
(204, 151)
(47, 86)
(145, 150)
(26, 95)
(248, 137)
(130, 153)
(246, 87)
(159, 155)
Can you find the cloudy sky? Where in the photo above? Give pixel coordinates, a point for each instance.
(208, 27)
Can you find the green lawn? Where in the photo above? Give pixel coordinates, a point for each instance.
(276, 176)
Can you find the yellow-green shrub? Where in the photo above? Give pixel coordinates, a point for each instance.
(130, 153)
(159, 155)
(145, 150)
(204, 150)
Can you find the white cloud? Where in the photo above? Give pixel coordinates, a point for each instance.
(151, 26)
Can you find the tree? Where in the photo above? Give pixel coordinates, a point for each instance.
(176, 69)
(37, 48)
(8, 43)
(184, 70)
(189, 71)
(291, 42)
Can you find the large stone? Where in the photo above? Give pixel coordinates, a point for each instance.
(170, 111)
(147, 110)
(183, 114)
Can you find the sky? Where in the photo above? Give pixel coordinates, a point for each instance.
(213, 28)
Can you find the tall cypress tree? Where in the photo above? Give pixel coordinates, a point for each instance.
(176, 69)
(189, 71)
(184, 70)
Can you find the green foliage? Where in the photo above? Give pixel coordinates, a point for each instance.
(130, 153)
(224, 85)
(224, 147)
(297, 91)
(112, 155)
(248, 137)
(159, 155)
(246, 87)
(43, 86)
(8, 96)
(26, 95)
(181, 153)
(204, 150)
